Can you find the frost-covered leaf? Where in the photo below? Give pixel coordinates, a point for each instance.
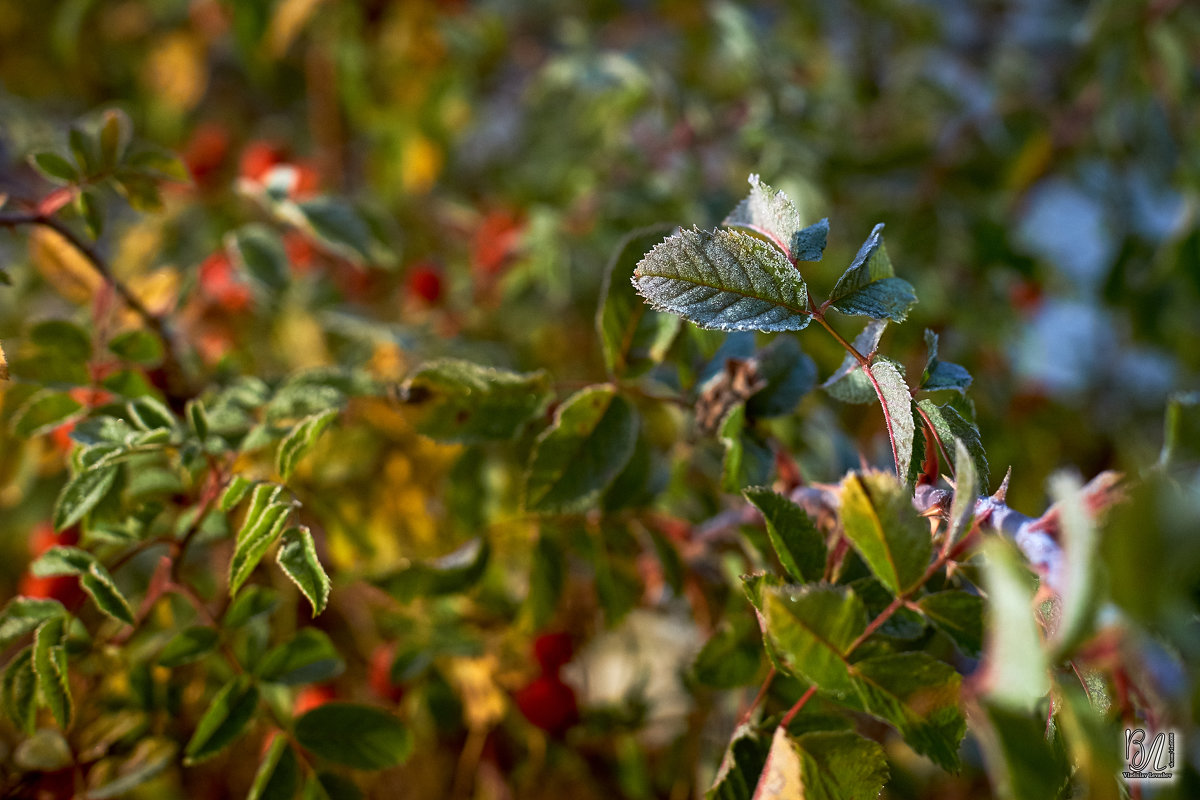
(848, 383)
(18, 690)
(22, 615)
(951, 426)
(879, 520)
(897, 410)
(81, 494)
(633, 335)
(869, 287)
(458, 401)
(724, 279)
(772, 213)
(966, 490)
(590, 441)
(50, 667)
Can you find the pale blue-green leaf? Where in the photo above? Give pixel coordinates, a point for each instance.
(297, 558)
(724, 279)
(966, 491)
(593, 436)
(848, 383)
(1017, 677)
(897, 410)
(1078, 581)
(869, 287)
(940, 374)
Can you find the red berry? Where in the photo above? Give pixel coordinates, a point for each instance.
(205, 151)
(549, 704)
(552, 651)
(63, 588)
(219, 283)
(495, 241)
(379, 674)
(258, 158)
(425, 282)
(43, 537)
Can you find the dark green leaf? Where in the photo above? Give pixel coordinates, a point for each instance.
(116, 131)
(331, 786)
(797, 542)
(1181, 429)
(224, 721)
(951, 426)
(22, 615)
(463, 402)
(159, 164)
(942, 374)
(98, 583)
(309, 657)
(849, 383)
(50, 666)
(297, 558)
(150, 413)
(741, 766)
(748, 459)
(18, 690)
(788, 373)
(1022, 764)
(450, 574)
(632, 335)
(91, 209)
(300, 440)
(44, 411)
(62, 339)
(259, 252)
(879, 520)
(959, 615)
(54, 167)
(812, 628)
(919, 695)
(278, 773)
(197, 419)
(339, 226)
(85, 146)
(724, 279)
(574, 460)
(189, 645)
(139, 346)
(869, 287)
(1017, 677)
(547, 576)
(249, 604)
(354, 736)
(731, 657)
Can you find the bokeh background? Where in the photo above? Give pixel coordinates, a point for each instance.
(1036, 162)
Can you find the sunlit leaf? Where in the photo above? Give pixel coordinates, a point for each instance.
(1017, 663)
(879, 520)
(297, 558)
(812, 628)
(869, 287)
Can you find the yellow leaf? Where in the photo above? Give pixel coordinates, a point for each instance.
(3, 365)
(301, 340)
(1032, 162)
(483, 701)
(177, 71)
(62, 266)
(287, 22)
(421, 163)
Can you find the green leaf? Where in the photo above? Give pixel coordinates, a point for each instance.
(827, 765)
(22, 615)
(156, 163)
(748, 459)
(869, 288)
(139, 346)
(94, 579)
(1181, 428)
(919, 695)
(50, 666)
(959, 615)
(330, 786)
(91, 209)
(724, 279)
(731, 657)
(116, 131)
(459, 401)
(966, 491)
(547, 577)
(942, 374)
(197, 419)
(898, 410)
(278, 773)
(54, 167)
(1078, 582)
(190, 644)
(18, 690)
(1017, 677)
(149, 757)
(235, 492)
(258, 532)
(772, 213)
(224, 721)
(355, 736)
(300, 440)
(741, 766)
(450, 574)
(309, 657)
(44, 411)
(85, 146)
(789, 374)
(61, 339)
(849, 383)
(297, 557)
(249, 604)
(339, 227)
(879, 520)
(258, 252)
(633, 337)
(149, 413)
(590, 441)
(951, 426)
(46, 750)
(812, 628)
(1021, 763)
(797, 542)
